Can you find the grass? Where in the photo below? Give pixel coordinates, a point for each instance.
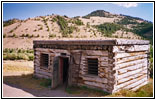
(18, 54)
(27, 81)
(85, 90)
(145, 91)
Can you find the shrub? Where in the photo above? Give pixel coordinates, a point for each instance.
(4, 35)
(78, 22)
(107, 28)
(52, 35)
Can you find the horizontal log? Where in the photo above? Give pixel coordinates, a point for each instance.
(130, 54)
(131, 68)
(131, 63)
(122, 80)
(43, 72)
(95, 84)
(131, 83)
(105, 59)
(141, 70)
(95, 79)
(137, 83)
(42, 76)
(131, 48)
(131, 58)
(96, 53)
(142, 84)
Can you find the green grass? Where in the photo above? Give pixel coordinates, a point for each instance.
(144, 91)
(18, 54)
(107, 29)
(85, 90)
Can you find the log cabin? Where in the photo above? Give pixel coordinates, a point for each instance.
(109, 65)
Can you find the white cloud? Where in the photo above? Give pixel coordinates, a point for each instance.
(127, 5)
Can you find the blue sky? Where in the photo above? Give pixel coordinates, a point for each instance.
(26, 10)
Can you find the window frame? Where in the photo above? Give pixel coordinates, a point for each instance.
(41, 61)
(96, 70)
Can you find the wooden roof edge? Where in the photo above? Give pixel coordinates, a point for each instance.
(92, 42)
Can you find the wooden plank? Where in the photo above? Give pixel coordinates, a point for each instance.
(131, 68)
(105, 59)
(121, 55)
(131, 63)
(131, 58)
(130, 41)
(142, 84)
(95, 84)
(137, 83)
(95, 79)
(42, 76)
(122, 80)
(131, 83)
(96, 53)
(142, 70)
(131, 48)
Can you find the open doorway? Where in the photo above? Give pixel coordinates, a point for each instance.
(64, 65)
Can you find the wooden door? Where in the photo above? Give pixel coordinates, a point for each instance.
(55, 79)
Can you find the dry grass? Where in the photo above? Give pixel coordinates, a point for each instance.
(19, 74)
(145, 91)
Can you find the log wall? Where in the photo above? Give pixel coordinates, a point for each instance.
(122, 64)
(131, 65)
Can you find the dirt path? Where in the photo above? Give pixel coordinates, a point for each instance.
(9, 91)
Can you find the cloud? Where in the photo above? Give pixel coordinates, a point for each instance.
(127, 5)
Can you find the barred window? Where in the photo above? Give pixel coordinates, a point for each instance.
(93, 66)
(44, 60)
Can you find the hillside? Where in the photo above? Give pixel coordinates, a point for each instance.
(98, 24)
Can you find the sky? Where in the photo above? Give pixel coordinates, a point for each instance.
(30, 10)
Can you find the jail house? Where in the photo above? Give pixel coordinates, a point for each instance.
(109, 65)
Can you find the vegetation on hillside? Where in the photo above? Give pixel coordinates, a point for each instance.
(108, 28)
(100, 13)
(65, 29)
(143, 29)
(18, 54)
(9, 22)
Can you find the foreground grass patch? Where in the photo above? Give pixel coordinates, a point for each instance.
(85, 90)
(27, 81)
(145, 91)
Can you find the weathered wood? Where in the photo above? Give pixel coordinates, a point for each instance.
(131, 83)
(142, 84)
(131, 58)
(132, 68)
(95, 79)
(42, 76)
(142, 70)
(121, 55)
(96, 53)
(131, 63)
(122, 80)
(131, 48)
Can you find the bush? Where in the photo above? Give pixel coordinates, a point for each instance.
(108, 28)
(4, 35)
(78, 22)
(52, 35)
(18, 54)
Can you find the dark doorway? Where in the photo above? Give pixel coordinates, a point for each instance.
(64, 70)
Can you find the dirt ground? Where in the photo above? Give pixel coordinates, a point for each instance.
(12, 80)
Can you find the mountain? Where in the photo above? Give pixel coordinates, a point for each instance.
(98, 24)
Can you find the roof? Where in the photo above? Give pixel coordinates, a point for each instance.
(92, 42)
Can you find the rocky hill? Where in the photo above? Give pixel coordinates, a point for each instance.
(98, 24)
